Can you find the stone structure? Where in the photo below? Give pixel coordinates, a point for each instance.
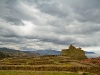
(74, 53)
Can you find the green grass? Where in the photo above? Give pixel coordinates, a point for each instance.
(45, 66)
(35, 73)
(21, 72)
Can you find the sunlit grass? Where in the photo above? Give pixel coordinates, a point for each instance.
(45, 65)
(35, 73)
(21, 72)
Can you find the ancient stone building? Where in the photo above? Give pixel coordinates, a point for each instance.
(74, 53)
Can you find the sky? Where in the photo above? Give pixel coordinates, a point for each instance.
(50, 24)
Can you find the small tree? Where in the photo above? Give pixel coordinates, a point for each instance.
(84, 74)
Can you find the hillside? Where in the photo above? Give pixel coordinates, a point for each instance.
(13, 52)
(17, 53)
(48, 63)
(2, 55)
(95, 61)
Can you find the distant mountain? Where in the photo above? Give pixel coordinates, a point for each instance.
(13, 52)
(18, 53)
(55, 52)
(48, 52)
(86, 52)
(92, 55)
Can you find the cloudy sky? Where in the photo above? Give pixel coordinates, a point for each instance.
(50, 24)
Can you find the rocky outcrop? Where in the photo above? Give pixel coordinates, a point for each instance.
(73, 52)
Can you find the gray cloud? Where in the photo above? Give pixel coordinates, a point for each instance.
(13, 20)
(53, 9)
(54, 24)
(88, 12)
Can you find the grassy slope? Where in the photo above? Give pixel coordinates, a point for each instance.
(38, 73)
(44, 63)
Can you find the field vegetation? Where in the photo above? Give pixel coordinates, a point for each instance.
(64, 64)
(13, 72)
(48, 65)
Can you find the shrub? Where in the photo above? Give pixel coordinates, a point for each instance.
(84, 74)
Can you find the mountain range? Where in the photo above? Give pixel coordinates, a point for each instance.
(18, 53)
(55, 52)
(13, 52)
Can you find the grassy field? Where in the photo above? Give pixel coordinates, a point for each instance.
(46, 65)
(13, 72)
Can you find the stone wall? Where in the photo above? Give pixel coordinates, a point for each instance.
(73, 52)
